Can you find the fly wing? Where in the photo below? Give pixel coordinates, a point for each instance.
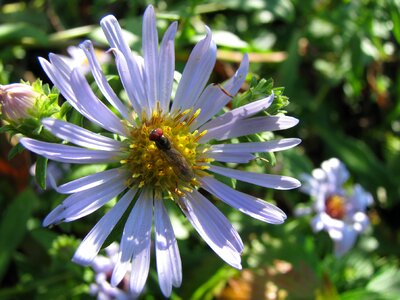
(179, 164)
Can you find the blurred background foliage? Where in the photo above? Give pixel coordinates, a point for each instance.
(339, 64)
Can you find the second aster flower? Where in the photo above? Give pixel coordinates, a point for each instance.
(161, 150)
(339, 211)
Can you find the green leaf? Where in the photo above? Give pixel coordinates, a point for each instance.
(40, 171)
(45, 237)
(359, 294)
(22, 32)
(258, 89)
(214, 284)
(13, 226)
(328, 291)
(386, 283)
(65, 108)
(395, 14)
(6, 128)
(14, 151)
(228, 39)
(289, 69)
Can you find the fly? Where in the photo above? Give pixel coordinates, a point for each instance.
(178, 162)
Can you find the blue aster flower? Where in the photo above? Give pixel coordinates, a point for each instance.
(103, 266)
(160, 151)
(338, 210)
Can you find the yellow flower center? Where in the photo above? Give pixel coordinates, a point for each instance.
(334, 206)
(172, 171)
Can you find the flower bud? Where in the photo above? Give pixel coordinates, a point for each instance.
(16, 101)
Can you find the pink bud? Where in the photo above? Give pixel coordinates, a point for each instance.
(16, 100)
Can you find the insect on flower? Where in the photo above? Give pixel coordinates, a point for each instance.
(178, 162)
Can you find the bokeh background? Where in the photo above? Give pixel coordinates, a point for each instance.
(339, 64)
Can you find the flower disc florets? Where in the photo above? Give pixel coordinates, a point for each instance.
(335, 206)
(171, 170)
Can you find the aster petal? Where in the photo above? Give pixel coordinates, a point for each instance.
(247, 204)
(115, 37)
(307, 184)
(76, 58)
(150, 56)
(249, 126)
(59, 79)
(70, 154)
(88, 105)
(91, 181)
(169, 266)
(360, 221)
(268, 146)
(135, 245)
(266, 180)
(91, 244)
(333, 226)
(59, 73)
(129, 80)
(346, 242)
(196, 73)
(141, 253)
(101, 80)
(80, 136)
(317, 224)
(213, 227)
(113, 32)
(240, 158)
(213, 99)
(83, 203)
(243, 112)
(318, 187)
(335, 172)
(360, 198)
(59, 63)
(51, 218)
(166, 67)
(100, 263)
(91, 107)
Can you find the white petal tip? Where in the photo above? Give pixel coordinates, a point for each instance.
(42, 60)
(296, 183)
(46, 223)
(85, 254)
(149, 9)
(288, 183)
(174, 26)
(291, 122)
(166, 292)
(87, 44)
(108, 19)
(296, 141)
(81, 260)
(115, 281)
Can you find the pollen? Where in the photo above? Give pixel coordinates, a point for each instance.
(169, 166)
(335, 207)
